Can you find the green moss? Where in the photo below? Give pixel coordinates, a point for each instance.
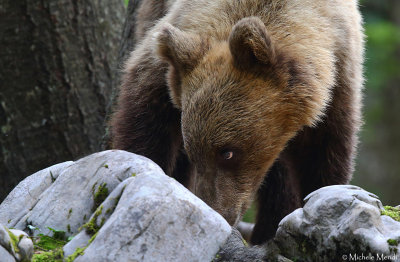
(49, 243)
(106, 166)
(58, 234)
(5, 129)
(14, 240)
(303, 248)
(133, 174)
(392, 242)
(94, 188)
(245, 242)
(84, 217)
(69, 213)
(52, 177)
(100, 195)
(306, 246)
(217, 257)
(91, 226)
(393, 212)
(8, 222)
(78, 252)
(93, 237)
(50, 256)
(69, 228)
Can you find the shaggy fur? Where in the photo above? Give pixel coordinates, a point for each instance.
(246, 99)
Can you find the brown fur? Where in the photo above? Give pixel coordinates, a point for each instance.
(277, 83)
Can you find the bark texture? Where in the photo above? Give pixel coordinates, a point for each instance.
(57, 59)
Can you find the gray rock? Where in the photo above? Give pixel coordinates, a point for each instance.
(5, 240)
(157, 219)
(137, 212)
(5, 255)
(245, 229)
(21, 250)
(81, 240)
(27, 193)
(338, 222)
(236, 249)
(101, 215)
(25, 245)
(66, 201)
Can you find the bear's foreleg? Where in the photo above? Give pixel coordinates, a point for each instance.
(145, 121)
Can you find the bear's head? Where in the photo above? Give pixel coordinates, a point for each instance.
(242, 100)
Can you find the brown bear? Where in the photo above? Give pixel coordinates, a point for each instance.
(245, 99)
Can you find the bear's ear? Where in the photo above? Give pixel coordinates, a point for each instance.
(250, 44)
(182, 50)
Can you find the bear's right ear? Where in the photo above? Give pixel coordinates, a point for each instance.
(250, 44)
(182, 50)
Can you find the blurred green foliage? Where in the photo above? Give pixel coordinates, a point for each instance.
(250, 214)
(378, 163)
(383, 40)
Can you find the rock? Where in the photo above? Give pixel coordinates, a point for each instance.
(27, 193)
(245, 229)
(339, 223)
(15, 245)
(5, 255)
(65, 200)
(121, 206)
(156, 219)
(236, 249)
(25, 245)
(81, 240)
(5, 240)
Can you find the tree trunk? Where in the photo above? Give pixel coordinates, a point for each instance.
(57, 59)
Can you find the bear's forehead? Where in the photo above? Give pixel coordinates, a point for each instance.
(226, 91)
(217, 117)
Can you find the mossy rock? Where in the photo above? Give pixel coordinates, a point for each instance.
(393, 212)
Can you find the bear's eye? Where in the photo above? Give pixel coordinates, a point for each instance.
(229, 158)
(227, 155)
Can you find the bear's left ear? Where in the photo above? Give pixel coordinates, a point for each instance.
(250, 44)
(182, 50)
